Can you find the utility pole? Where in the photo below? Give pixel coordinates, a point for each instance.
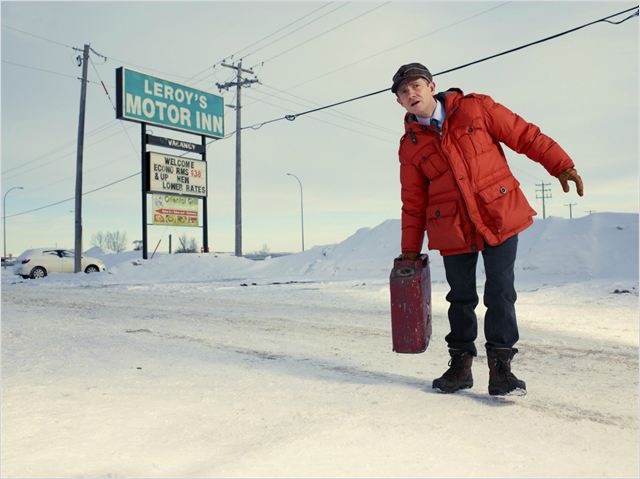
(78, 223)
(239, 83)
(544, 194)
(590, 211)
(571, 205)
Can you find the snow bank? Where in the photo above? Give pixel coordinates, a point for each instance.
(552, 251)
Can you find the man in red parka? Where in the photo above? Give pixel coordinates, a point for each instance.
(457, 185)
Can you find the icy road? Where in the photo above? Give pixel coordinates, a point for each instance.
(215, 379)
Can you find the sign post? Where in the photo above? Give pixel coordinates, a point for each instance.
(205, 217)
(144, 182)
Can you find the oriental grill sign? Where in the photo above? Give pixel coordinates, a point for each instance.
(146, 99)
(170, 210)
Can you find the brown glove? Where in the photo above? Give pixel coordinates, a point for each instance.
(410, 255)
(570, 174)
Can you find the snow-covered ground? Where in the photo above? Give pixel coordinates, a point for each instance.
(216, 366)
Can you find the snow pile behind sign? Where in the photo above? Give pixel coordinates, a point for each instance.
(551, 251)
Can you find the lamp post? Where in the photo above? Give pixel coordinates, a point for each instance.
(301, 207)
(4, 217)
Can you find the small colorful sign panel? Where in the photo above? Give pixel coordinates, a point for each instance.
(170, 210)
(177, 175)
(147, 99)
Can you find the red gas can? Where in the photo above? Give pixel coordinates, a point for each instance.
(410, 285)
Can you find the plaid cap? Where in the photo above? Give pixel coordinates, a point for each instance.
(410, 70)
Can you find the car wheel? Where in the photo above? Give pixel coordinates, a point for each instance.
(38, 272)
(25, 276)
(92, 268)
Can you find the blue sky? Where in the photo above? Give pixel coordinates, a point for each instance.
(581, 89)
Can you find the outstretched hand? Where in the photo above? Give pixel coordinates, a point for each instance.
(571, 175)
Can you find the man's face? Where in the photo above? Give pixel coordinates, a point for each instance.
(416, 96)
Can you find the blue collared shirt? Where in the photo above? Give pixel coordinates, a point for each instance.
(438, 116)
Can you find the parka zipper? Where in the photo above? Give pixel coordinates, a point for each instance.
(474, 230)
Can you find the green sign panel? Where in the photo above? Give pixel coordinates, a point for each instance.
(147, 99)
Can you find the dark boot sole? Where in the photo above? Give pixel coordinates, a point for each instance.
(513, 392)
(452, 390)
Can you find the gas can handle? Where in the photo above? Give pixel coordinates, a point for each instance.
(405, 271)
(421, 259)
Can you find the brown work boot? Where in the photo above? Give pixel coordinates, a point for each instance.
(458, 376)
(502, 382)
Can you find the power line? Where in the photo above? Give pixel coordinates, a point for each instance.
(101, 128)
(106, 58)
(66, 155)
(337, 113)
(298, 45)
(53, 152)
(73, 197)
(414, 39)
(39, 37)
(546, 39)
(230, 57)
(433, 32)
(294, 116)
(113, 105)
(280, 29)
(47, 185)
(149, 69)
(297, 29)
(338, 126)
(22, 65)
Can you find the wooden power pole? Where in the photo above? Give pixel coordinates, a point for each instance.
(239, 83)
(544, 194)
(78, 221)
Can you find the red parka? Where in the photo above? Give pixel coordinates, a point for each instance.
(457, 184)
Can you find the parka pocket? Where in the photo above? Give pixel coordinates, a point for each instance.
(505, 205)
(444, 230)
(473, 138)
(433, 166)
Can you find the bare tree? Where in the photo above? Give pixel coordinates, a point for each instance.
(112, 241)
(187, 245)
(98, 240)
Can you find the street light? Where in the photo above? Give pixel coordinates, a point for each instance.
(301, 208)
(4, 218)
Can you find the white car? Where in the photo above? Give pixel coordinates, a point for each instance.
(37, 263)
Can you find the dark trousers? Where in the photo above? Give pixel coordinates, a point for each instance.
(500, 326)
